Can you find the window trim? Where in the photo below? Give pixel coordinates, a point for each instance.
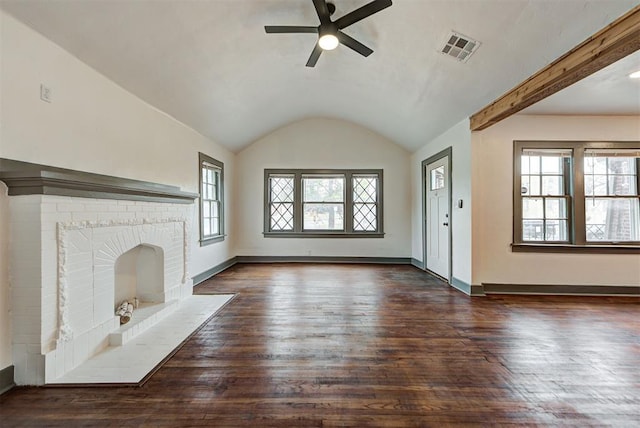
(577, 242)
(348, 231)
(207, 240)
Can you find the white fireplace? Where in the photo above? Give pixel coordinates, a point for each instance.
(74, 259)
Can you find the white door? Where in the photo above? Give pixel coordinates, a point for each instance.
(437, 213)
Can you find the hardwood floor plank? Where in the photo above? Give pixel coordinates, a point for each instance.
(318, 345)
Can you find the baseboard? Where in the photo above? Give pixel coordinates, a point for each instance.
(203, 276)
(417, 263)
(580, 290)
(6, 379)
(468, 289)
(323, 259)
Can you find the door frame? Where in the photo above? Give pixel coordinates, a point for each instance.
(444, 153)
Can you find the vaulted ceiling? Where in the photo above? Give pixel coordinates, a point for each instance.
(211, 65)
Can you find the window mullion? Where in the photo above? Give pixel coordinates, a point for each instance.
(348, 202)
(298, 202)
(517, 193)
(578, 212)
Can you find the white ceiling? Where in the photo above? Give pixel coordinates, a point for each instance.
(210, 64)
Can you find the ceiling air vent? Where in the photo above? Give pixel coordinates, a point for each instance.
(460, 47)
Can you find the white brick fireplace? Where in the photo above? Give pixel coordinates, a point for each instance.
(69, 256)
(73, 259)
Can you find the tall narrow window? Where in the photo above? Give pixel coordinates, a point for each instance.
(545, 195)
(612, 206)
(323, 203)
(281, 189)
(365, 203)
(211, 200)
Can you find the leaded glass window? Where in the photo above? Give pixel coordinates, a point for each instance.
(281, 188)
(323, 203)
(365, 203)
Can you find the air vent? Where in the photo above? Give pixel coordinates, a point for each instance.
(460, 47)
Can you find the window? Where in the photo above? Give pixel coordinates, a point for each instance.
(576, 194)
(437, 178)
(611, 189)
(326, 203)
(545, 195)
(211, 200)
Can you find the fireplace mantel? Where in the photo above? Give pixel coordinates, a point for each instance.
(24, 178)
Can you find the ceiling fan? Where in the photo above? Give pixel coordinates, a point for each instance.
(329, 32)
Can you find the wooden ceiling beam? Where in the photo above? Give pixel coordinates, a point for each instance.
(612, 43)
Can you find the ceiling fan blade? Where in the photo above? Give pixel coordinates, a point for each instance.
(352, 43)
(361, 13)
(322, 10)
(315, 54)
(289, 29)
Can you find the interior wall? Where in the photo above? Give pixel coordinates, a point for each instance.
(459, 139)
(322, 144)
(5, 290)
(94, 125)
(493, 261)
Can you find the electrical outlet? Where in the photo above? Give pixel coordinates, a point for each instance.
(45, 93)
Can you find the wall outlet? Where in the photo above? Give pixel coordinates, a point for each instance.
(45, 93)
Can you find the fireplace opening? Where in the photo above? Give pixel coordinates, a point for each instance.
(139, 273)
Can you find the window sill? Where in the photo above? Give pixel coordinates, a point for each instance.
(321, 235)
(576, 249)
(212, 240)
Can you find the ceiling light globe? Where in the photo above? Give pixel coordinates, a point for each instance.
(328, 42)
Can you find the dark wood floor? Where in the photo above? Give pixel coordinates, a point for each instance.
(366, 345)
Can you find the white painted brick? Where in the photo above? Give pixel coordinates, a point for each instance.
(57, 217)
(81, 348)
(58, 199)
(103, 307)
(26, 219)
(26, 339)
(48, 207)
(60, 359)
(94, 208)
(26, 301)
(70, 207)
(91, 319)
(68, 358)
(25, 323)
(84, 216)
(126, 215)
(50, 366)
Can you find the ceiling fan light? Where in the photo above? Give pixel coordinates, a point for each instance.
(328, 42)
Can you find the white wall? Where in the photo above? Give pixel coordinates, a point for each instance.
(493, 261)
(93, 125)
(459, 139)
(323, 143)
(5, 290)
